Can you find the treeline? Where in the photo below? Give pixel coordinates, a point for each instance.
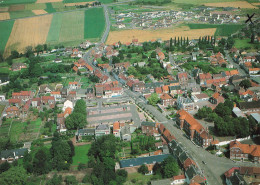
(225, 124)
(152, 2)
(102, 156)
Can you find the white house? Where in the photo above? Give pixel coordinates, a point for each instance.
(56, 95)
(67, 104)
(2, 97)
(179, 179)
(199, 97)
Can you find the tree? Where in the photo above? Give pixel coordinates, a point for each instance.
(56, 180)
(153, 99)
(4, 167)
(171, 43)
(71, 180)
(41, 162)
(245, 84)
(169, 167)
(28, 51)
(15, 175)
(143, 169)
(153, 54)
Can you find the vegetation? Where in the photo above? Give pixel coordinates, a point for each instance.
(6, 28)
(143, 169)
(15, 175)
(21, 14)
(10, 2)
(94, 23)
(54, 31)
(80, 156)
(152, 2)
(49, 8)
(153, 99)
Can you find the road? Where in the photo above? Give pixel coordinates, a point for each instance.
(240, 70)
(106, 32)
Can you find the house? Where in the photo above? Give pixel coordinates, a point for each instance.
(99, 90)
(203, 78)
(249, 59)
(13, 154)
(138, 86)
(61, 119)
(179, 179)
(125, 133)
(167, 100)
(193, 176)
(12, 112)
(183, 78)
(18, 66)
(16, 102)
(193, 129)
(185, 103)
(36, 102)
(64, 92)
(73, 95)
(57, 60)
(74, 85)
(48, 100)
(243, 152)
(23, 95)
(85, 132)
(217, 98)
(236, 79)
(254, 70)
(26, 107)
(149, 128)
(250, 107)
(45, 89)
(176, 89)
(116, 129)
(2, 97)
(67, 104)
(250, 171)
(56, 95)
(158, 90)
(200, 97)
(102, 129)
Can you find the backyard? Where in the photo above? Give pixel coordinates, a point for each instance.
(81, 155)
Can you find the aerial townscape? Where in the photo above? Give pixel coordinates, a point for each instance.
(125, 92)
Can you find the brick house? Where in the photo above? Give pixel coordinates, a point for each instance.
(12, 112)
(167, 100)
(217, 98)
(193, 129)
(18, 66)
(16, 102)
(36, 102)
(203, 78)
(138, 87)
(23, 95)
(74, 85)
(244, 151)
(149, 128)
(183, 78)
(48, 100)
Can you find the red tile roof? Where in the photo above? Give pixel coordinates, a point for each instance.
(14, 100)
(254, 150)
(178, 177)
(165, 96)
(13, 108)
(158, 90)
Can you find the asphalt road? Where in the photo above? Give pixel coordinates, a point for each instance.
(241, 71)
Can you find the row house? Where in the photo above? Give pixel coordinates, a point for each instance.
(253, 71)
(175, 90)
(102, 129)
(202, 78)
(249, 59)
(158, 90)
(36, 102)
(122, 131)
(150, 129)
(13, 154)
(56, 95)
(23, 95)
(167, 100)
(26, 107)
(229, 74)
(74, 85)
(250, 107)
(183, 78)
(194, 129)
(105, 67)
(217, 59)
(18, 66)
(122, 66)
(12, 112)
(16, 102)
(138, 86)
(185, 103)
(61, 119)
(243, 152)
(217, 98)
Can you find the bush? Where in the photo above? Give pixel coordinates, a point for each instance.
(82, 166)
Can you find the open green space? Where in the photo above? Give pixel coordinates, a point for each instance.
(6, 28)
(222, 29)
(49, 8)
(76, 1)
(243, 43)
(81, 154)
(197, 2)
(138, 178)
(54, 31)
(94, 23)
(35, 6)
(21, 14)
(2, 107)
(10, 2)
(4, 70)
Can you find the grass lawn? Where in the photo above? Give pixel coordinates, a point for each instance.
(80, 154)
(4, 70)
(222, 29)
(6, 28)
(20, 60)
(140, 178)
(243, 43)
(49, 8)
(54, 31)
(209, 92)
(94, 23)
(9, 2)
(2, 107)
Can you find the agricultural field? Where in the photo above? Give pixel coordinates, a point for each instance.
(6, 28)
(10, 2)
(39, 12)
(21, 14)
(238, 4)
(35, 6)
(222, 29)
(49, 8)
(243, 43)
(4, 16)
(35, 32)
(164, 34)
(200, 2)
(81, 154)
(48, 1)
(94, 23)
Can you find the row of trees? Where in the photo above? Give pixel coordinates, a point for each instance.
(78, 118)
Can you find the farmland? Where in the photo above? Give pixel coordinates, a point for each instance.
(164, 34)
(199, 2)
(4, 16)
(9, 2)
(243, 43)
(34, 33)
(238, 4)
(94, 23)
(6, 28)
(39, 12)
(75, 1)
(49, 8)
(222, 29)
(54, 32)
(21, 14)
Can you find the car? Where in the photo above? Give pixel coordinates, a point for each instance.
(204, 162)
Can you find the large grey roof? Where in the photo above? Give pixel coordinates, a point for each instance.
(102, 127)
(147, 123)
(142, 160)
(10, 153)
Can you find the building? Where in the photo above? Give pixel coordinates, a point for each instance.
(183, 78)
(18, 66)
(48, 101)
(101, 130)
(193, 129)
(167, 100)
(16, 102)
(85, 132)
(90, 94)
(12, 112)
(56, 95)
(244, 151)
(200, 97)
(149, 128)
(67, 104)
(23, 95)
(125, 133)
(233, 177)
(185, 103)
(11, 155)
(217, 98)
(250, 107)
(179, 179)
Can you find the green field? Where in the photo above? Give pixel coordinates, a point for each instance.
(197, 2)
(6, 28)
(54, 31)
(81, 154)
(10, 2)
(49, 8)
(222, 29)
(4, 70)
(35, 6)
(21, 14)
(94, 23)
